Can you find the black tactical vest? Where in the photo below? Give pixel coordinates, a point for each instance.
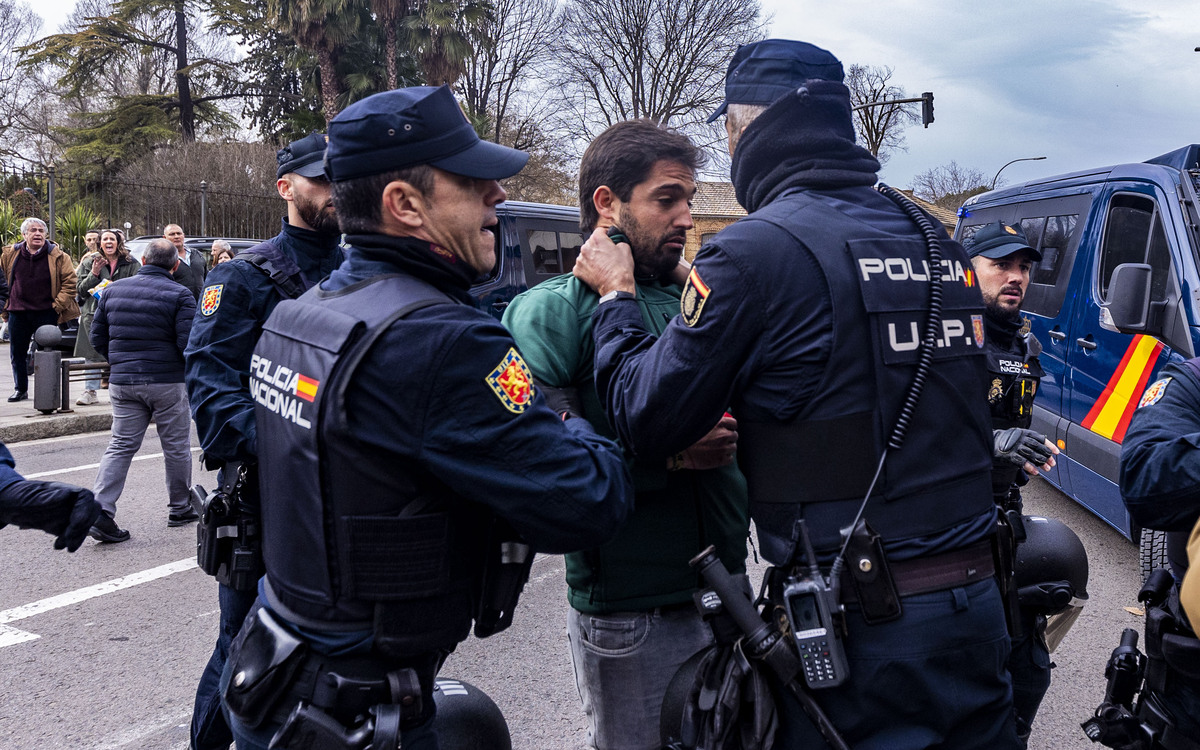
(1013, 375)
(819, 466)
(354, 538)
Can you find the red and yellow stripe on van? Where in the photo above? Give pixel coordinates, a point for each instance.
(1111, 413)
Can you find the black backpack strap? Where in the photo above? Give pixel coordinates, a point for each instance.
(287, 284)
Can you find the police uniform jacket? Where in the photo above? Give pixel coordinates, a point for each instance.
(805, 317)
(233, 307)
(1160, 458)
(677, 513)
(423, 436)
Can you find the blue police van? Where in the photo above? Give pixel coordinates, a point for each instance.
(534, 242)
(1114, 299)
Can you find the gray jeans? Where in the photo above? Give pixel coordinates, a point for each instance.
(623, 663)
(133, 407)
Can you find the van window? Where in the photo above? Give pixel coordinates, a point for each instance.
(1134, 233)
(1052, 226)
(553, 253)
(1053, 243)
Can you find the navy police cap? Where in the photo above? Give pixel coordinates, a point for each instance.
(999, 240)
(305, 157)
(417, 125)
(762, 72)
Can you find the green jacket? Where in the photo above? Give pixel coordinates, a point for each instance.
(676, 514)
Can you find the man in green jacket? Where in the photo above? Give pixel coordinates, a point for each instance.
(632, 621)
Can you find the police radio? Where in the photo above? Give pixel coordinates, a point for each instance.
(813, 610)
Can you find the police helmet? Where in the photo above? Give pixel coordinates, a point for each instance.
(467, 719)
(1051, 575)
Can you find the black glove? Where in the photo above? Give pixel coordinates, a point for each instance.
(564, 401)
(56, 508)
(1019, 446)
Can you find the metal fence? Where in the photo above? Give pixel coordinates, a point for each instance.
(141, 208)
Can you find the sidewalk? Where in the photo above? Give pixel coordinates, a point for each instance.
(20, 421)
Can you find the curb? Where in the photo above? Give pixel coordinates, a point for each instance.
(48, 426)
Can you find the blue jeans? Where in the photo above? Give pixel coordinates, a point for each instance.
(934, 678)
(209, 727)
(623, 663)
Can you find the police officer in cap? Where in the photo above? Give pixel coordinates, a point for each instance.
(806, 317)
(238, 298)
(1003, 260)
(1160, 484)
(401, 438)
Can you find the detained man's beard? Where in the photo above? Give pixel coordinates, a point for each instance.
(317, 216)
(651, 261)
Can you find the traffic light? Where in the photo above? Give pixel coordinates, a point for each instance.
(926, 108)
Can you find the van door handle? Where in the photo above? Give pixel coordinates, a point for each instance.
(1087, 343)
(1056, 334)
(499, 305)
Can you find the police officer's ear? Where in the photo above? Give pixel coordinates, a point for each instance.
(284, 186)
(607, 204)
(404, 208)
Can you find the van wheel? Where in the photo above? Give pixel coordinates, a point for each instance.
(1152, 553)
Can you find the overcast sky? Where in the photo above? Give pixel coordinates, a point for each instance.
(1085, 83)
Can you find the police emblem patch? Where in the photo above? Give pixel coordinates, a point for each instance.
(996, 391)
(210, 299)
(695, 294)
(512, 382)
(1154, 392)
(977, 329)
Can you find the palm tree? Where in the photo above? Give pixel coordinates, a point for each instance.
(442, 33)
(388, 13)
(323, 27)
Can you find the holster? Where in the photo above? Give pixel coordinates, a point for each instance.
(228, 535)
(1004, 552)
(263, 660)
(505, 573)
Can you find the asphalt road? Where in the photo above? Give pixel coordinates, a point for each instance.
(108, 655)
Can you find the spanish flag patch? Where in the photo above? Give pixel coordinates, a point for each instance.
(695, 294)
(512, 382)
(306, 387)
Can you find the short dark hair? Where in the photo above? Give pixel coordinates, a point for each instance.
(357, 201)
(622, 157)
(160, 252)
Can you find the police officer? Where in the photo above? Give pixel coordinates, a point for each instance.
(1003, 259)
(806, 316)
(1160, 484)
(63, 510)
(400, 432)
(236, 301)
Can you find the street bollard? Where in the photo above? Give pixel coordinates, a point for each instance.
(47, 380)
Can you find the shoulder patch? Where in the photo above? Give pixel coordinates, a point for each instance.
(691, 302)
(512, 382)
(1154, 392)
(210, 299)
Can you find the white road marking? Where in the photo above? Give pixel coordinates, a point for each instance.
(10, 636)
(84, 467)
(137, 735)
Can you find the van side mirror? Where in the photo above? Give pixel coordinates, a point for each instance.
(1128, 302)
